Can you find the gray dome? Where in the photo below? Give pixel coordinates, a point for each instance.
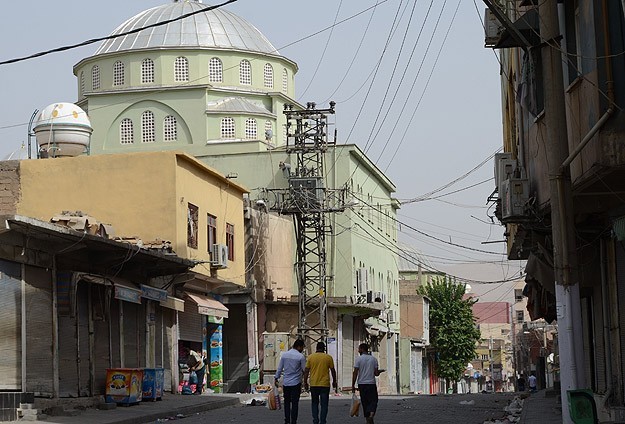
(216, 28)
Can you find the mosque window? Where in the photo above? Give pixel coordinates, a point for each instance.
(245, 73)
(251, 132)
(181, 69)
(95, 77)
(170, 129)
(215, 70)
(268, 74)
(82, 83)
(227, 128)
(147, 71)
(285, 81)
(118, 73)
(147, 127)
(126, 132)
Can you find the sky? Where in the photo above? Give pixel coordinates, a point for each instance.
(413, 84)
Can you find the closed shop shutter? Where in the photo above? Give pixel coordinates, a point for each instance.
(190, 323)
(158, 338)
(348, 354)
(620, 281)
(131, 320)
(68, 368)
(82, 314)
(100, 299)
(39, 360)
(169, 318)
(115, 335)
(10, 326)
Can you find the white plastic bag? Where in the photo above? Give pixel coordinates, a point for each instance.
(354, 410)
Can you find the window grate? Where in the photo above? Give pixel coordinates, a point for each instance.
(126, 131)
(181, 69)
(245, 73)
(215, 70)
(118, 73)
(82, 84)
(251, 132)
(170, 129)
(227, 128)
(147, 127)
(95, 77)
(147, 71)
(285, 81)
(268, 75)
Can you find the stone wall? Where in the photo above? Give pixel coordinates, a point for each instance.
(9, 186)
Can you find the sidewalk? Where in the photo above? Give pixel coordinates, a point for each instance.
(538, 408)
(148, 412)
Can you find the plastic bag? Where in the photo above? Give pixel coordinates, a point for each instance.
(273, 399)
(192, 377)
(354, 410)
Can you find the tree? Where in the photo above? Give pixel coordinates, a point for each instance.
(453, 332)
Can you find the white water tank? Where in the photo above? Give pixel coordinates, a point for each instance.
(62, 130)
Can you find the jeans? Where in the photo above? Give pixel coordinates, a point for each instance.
(200, 379)
(323, 394)
(291, 402)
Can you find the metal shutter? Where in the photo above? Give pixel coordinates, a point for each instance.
(100, 298)
(10, 326)
(190, 323)
(39, 360)
(115, 335)
(620, 282)
(131, 344)
(348, 354)
(82, 325)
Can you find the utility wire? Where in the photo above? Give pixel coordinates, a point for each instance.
(110, 37)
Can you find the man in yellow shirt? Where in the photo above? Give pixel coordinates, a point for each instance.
(319, 365)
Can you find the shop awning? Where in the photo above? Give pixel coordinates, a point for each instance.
(208, 306)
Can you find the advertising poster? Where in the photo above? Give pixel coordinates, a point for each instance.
(216, 359)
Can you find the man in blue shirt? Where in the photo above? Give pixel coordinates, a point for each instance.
(365, 372)
(292, 363)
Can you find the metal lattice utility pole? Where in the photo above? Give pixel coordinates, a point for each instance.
(309, 202)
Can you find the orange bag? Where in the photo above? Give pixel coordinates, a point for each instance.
(354, 410)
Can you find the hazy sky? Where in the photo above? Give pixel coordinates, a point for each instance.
(447, 127)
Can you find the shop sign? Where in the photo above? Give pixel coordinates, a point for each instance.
(153, 293)
(127, 294)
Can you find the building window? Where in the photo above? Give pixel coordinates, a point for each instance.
(147, 127)
(82, 83)
(484, 357)
(268, 75)
(285, 81)
(95, 77)
(520, 316)
(518, 295)
(211, 231)
(170, 129)
(230, 241)
(181, 69)
(227, 128)
(251, 132)
(192, 219)
(118, 73)
(245, 73)
(268, 131)
(126, 132)
(147, 71)
(215, 70)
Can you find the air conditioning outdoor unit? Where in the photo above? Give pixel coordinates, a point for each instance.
(492, 29)
(219, 256)
(505, 167)
(514, 200)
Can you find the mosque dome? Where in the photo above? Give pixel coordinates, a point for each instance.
(215, 29)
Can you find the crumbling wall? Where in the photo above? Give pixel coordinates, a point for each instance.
(9, 186)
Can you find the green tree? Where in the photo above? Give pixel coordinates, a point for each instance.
(453, 332)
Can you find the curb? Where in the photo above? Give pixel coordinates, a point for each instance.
(186, 410)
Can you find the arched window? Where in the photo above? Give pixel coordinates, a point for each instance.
(268, 74)
(170, 129)
(285, 81)
(245, 73)
(95, 77)
(82, 83)
(126, 135)
(147, 71)
(181, 69)
(268, 131)
(251, 130)
(118, 73)
(227, 128)
(147, 127)
(215, 70)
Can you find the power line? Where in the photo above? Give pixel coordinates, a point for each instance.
(110, 37)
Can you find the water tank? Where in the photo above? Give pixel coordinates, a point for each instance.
(62, 130)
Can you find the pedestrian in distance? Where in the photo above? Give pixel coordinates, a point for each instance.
(292, 364)
(521, 383)
(531, 380)
(365, 371)
(319, 365)
(195, 362)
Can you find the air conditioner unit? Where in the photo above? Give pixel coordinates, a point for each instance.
(219, 256)
(505, 167)
(514, 200)
(391, 316)
(362, 280)
(492, 29)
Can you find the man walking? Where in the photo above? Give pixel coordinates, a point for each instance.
(292, 363)
(318, 366)
(532, 382)
(365, 372)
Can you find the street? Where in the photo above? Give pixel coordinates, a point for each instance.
(391, 410)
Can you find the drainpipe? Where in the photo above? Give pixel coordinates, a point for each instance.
(607, 339)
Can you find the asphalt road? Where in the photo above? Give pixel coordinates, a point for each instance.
(391, 410)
